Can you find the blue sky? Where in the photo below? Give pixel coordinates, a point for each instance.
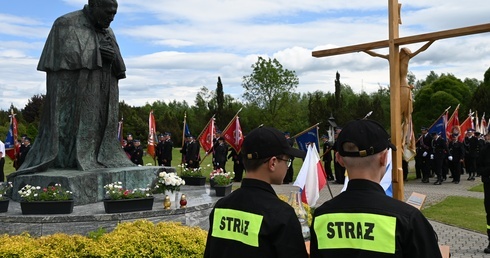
(173, 48)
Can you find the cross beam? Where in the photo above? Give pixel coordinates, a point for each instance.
(465, 31)
(394, 43)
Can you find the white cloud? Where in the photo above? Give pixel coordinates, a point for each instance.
(173, 48)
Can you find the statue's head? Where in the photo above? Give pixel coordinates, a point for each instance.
(103, 12)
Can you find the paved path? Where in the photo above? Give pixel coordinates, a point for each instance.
(463, 243)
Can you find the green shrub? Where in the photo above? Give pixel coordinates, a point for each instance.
(132, 239)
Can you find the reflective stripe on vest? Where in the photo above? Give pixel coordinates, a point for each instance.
(363, 231)
(237, 225)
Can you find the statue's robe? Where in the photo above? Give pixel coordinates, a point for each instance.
(78, 127)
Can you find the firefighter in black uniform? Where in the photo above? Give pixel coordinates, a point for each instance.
(159, 149)
(483, 168)
(252, 221)
(438, 154)
(455, 158)
(137, 154)
(168, 146)
(363, 221)
(327, 157)
(471, 147)
(425, 145)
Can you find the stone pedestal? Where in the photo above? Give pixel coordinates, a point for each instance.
(88, 186)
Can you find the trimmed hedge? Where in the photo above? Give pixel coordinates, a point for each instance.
(133, 239)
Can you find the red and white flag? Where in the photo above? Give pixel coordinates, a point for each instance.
(151, 135)
(483, 125)
(206, 137)
(467, 124)
(311, 177)
(453, 124)
(233, 134)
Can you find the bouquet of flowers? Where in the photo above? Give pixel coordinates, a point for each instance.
(5, 188)
(221, 178)
(168, 181)
(55, 192)
(115, 191)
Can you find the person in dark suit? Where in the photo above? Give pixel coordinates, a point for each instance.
(327, 157)
(425, 146)
(168, 146)
(438, 154)
(137, 155)
(455, 157)
(192, 153)
(220, 154)
(238, 167)
(159, 149)
(26, 147)
(471, 145)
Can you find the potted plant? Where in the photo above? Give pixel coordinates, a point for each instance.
(168, 184)
(118, 199)
(5, 188)
(192, 176)
(53, 199)
(211, 175)
(222, 182)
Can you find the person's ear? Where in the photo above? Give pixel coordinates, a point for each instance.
(383, 160)
(339, 159)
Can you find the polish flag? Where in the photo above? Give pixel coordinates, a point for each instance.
(311, 177)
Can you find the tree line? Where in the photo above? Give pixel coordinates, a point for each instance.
(270, 98)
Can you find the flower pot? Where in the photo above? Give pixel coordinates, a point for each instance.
(47, 207)
(4, 205)
(128, 205)
(212, 183)
(223, 190)
(193, 180)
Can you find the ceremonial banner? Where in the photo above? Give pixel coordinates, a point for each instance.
(453, 124)
(306, 137)
(206, 136)
(439, 126)
(11, 148)
(483, 125)
(467, 124)
(233, 134)
(151, 135)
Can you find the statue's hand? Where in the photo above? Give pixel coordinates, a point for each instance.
(107, 52)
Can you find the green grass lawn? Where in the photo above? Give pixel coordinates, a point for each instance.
(461, 212)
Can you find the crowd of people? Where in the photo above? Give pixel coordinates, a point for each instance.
(442, 159)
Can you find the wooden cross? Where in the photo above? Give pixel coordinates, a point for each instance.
(393, 43)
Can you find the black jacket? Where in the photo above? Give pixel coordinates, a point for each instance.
(253, 222)
(364, 222)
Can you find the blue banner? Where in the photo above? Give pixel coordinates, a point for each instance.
(439, 127)
(307, 137)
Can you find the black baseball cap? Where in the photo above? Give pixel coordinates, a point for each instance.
(368, 135)
(265, 142)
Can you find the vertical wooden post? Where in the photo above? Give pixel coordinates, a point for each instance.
(395, 116)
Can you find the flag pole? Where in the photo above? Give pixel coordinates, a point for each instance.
(229, 124)
(304, 131)
(182, 161)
